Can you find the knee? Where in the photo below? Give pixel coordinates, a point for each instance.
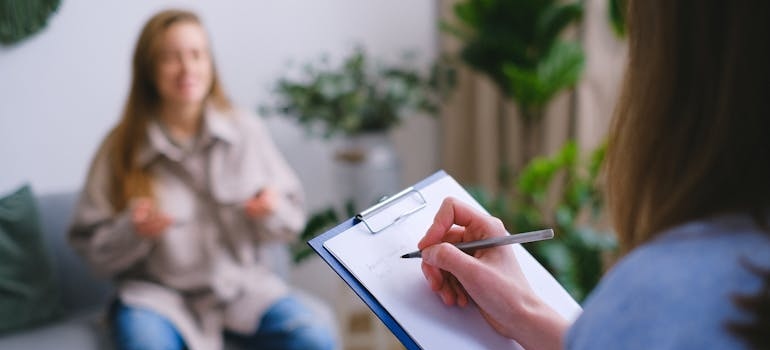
(140, 329)
(312, 337)
(148, 343)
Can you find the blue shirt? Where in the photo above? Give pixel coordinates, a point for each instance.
(675, 292)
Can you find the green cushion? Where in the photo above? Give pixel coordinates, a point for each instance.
(28, 293)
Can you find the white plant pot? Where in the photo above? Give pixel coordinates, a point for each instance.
(368, 168)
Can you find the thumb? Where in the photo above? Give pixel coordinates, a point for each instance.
(448, 258)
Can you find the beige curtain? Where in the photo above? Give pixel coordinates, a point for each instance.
(473, 133)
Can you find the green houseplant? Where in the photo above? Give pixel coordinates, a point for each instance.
(318, 223)
(358, 96)
(517, 44)
(576, 254)
(20, 19)
(359, 99)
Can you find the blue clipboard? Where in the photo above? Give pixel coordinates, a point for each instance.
(317, 244)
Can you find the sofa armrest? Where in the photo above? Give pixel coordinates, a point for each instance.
(80, 290)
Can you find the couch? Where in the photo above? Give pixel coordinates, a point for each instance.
(83, 296)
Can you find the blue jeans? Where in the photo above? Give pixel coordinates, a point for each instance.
(287, 324)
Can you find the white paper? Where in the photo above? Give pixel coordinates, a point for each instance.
(399, 286)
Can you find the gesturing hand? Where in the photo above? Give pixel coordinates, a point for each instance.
(491, 277)
(147, 219)
(262, 204)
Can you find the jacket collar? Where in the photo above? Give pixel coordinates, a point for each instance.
(217, 126)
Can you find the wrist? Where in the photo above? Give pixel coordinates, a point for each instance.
(539, 326)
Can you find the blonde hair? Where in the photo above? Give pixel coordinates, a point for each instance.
(128, 178)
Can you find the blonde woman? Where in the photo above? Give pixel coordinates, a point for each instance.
(178, 198)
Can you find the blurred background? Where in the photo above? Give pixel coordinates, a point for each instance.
(64, 88)
(511, 97)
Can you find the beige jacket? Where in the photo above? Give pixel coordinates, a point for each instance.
(204, 273)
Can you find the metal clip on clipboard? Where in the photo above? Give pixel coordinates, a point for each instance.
(403, 204)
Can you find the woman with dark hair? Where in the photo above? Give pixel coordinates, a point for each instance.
(688, 173)
(179, 197)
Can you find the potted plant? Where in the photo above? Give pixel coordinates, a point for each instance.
(517, 45)
(359, 100)
(556, 191)
(356, 97)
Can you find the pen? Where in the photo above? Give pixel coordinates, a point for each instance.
(470, 247)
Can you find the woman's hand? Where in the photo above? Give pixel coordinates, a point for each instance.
(262, 204)
(491, 278)
(148, 221)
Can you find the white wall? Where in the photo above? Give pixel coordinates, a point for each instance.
(62, 89)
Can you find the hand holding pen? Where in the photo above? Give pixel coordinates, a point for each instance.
(491, 278)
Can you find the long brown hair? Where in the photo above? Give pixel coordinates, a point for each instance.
(691, 134)
(128, 178)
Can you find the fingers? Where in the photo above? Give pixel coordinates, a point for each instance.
(255, 208)
(455, 212)
(433, 275)
(147, 219)
(158, 223)
(440, 264)
(445, 285)
(262, 204)
(456, 234)
(154, 226)
(442, 223)
(461, 297)
(454, 222)
(141, 209)
(448, 258)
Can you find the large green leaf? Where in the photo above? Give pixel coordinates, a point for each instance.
(576, 254)
(318, 223)
(561, 68)
(521, 33)
(617, 14)
(553, 21)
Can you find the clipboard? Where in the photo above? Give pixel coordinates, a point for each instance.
(368, 218)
